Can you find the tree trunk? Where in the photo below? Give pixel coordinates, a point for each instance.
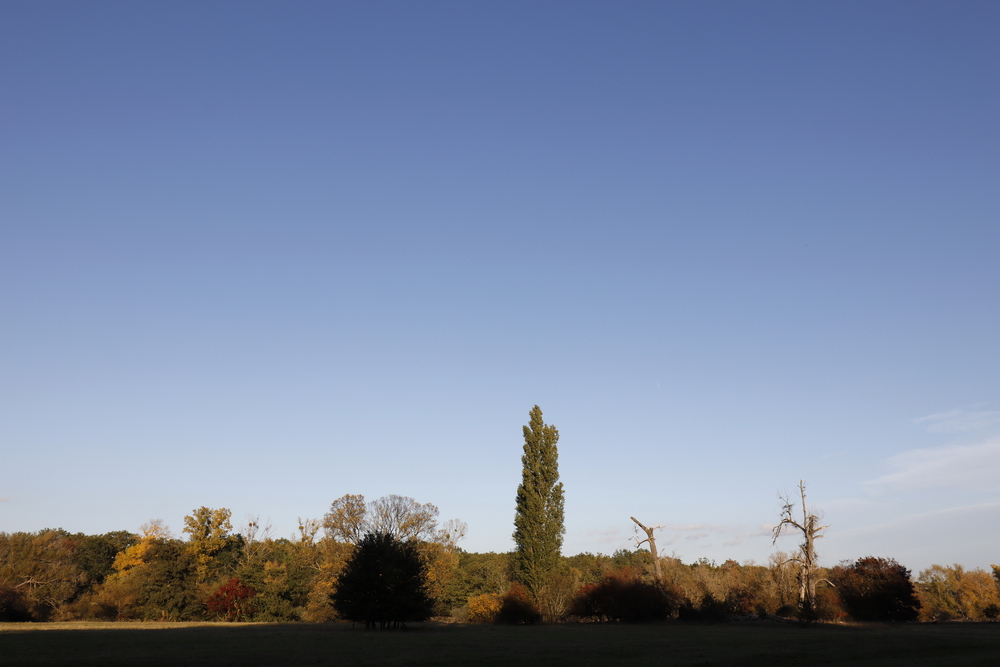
(811, 531)
(652, 549)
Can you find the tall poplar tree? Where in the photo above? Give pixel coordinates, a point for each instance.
(538, 521)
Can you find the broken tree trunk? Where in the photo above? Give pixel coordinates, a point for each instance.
(652, 549)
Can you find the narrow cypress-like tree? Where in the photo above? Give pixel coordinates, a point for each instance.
(538, 521)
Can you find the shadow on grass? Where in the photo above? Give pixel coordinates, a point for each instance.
(254, 645)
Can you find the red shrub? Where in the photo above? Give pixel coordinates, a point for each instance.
(233, 600)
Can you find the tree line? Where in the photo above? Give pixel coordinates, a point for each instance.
(389, 561)
(57, 575)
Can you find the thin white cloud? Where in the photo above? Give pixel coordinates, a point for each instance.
(694, 540)
(951, 516)
(765, 529)
(960, 420)
(698, 527)
(953, 466)
(665, 533)
(846, 504)
(946, 535)
(609, 535)
(693, 537)
(732, 535)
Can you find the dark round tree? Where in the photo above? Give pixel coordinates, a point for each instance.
(876, 589)
(383, 584)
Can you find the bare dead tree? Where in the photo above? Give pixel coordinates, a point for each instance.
(403, 517)
(256, 538)
(806, 558)
(347, 520)
(453, 532)
(652, 548)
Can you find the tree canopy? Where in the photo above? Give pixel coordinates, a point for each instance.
(876, 589)
(350, 518)
(383, 584)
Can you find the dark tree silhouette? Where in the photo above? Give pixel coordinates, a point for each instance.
(876, 589)
(383, 584)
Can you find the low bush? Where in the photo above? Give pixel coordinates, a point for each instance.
(484, 608)
(709, 610)
(232, 601)
(14, 607)
(623, 596)
(518, 608)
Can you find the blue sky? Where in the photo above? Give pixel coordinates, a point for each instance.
(260, 255)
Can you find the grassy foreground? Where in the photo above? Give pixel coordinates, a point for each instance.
(432, 644)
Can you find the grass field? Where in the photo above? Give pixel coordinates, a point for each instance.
(432, 644)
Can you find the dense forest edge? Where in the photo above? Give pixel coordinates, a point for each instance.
(387, 562)
(218, 574)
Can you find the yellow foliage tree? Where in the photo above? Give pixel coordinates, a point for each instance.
(331, 557)
(484, 608)
(209, 534)
(116, 593)
(442, 564)
(952, 592)
(135, 554)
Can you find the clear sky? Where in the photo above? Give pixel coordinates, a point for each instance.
(260, 255)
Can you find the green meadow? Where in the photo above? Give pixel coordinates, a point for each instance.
(746, 645)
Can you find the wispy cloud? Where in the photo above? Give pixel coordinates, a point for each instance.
(689, 538)
(611, 535)
(665, 533)
(695, 527)
(846, 504)
(690, 532)
(960, 420)
(944, 535)
(3, 500)
(960, 466)
(765, 530)
(952, 516)
(696, 532)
